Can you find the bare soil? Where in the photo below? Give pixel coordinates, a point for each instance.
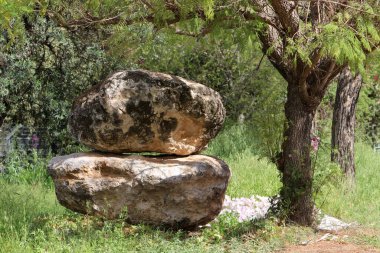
(351, 240)
(330, 247)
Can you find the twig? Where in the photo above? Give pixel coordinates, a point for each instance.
(261, 60)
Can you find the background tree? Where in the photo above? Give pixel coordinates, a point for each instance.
(344, 119)
(344, 115)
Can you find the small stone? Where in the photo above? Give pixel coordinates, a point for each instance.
(143, 111)
(178, 192)
(331, 224)
(325, 237)
(304, 243)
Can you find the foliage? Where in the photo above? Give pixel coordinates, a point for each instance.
(346, 36)
(368, 111)
(42, 75)
(11, 13)
(23, 168)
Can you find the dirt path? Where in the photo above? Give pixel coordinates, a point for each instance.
(351, 240)
(331, 247)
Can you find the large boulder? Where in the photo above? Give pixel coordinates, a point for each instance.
(139, 111)
(178, 192)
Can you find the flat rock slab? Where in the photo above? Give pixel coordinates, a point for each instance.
(178, 192)
(142, 111)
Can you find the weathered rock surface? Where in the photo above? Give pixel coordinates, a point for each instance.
(138, 111)
(180, 192)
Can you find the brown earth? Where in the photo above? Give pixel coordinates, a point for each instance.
(329, 247)
(351, 240)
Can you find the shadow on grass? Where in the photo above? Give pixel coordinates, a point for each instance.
(72, 225)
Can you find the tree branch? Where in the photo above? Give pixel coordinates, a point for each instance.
(288, 16)
(273, 38)
(306, 68)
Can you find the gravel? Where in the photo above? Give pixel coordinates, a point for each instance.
(256, 207)
(331, 224)
(253, 208)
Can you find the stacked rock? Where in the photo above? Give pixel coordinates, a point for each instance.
(142, 111)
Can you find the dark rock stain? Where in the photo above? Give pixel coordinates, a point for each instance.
(111, 136)
(177, 94)
(167, 126)
(116, 121)
(80, 121)
(143, 115)
(98, 110)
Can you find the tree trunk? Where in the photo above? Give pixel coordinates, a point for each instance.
(297, 173)
(343, 124)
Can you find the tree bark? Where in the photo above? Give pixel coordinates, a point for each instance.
(343, 124)
(297, 172)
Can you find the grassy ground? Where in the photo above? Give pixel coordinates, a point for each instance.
(359, 202)
(31, 220)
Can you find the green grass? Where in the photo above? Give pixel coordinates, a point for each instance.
(359, 202)
(31, 220)
(251, 174)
